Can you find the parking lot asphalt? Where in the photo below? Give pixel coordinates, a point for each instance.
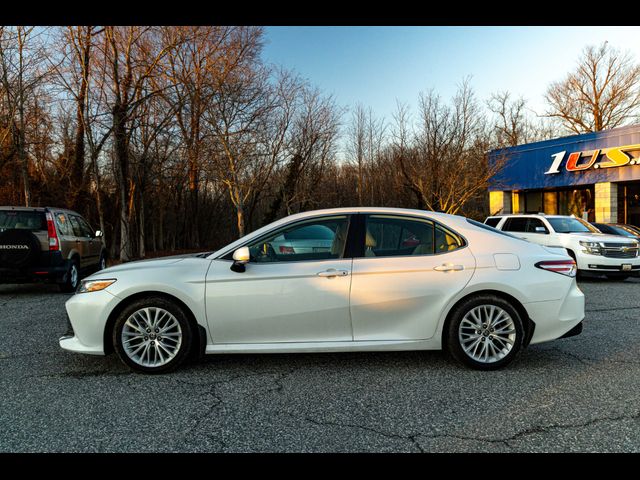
(580, 394)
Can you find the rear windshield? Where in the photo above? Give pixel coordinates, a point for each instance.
(22, 220)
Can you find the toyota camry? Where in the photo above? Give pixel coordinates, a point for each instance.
(389, 279)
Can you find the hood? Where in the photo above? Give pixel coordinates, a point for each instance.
(143, 265)
(601, 237)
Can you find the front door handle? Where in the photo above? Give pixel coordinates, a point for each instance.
(332, 272)
(448, 267)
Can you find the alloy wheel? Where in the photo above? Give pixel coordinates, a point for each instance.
(487, 333)
(151, 337)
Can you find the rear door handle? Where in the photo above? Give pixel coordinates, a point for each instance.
(332, 272)
(448, 267)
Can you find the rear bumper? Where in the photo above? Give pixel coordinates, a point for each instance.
(555, 319)
(33, 274)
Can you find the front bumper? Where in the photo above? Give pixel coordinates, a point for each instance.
(88, 314)
(602, 264)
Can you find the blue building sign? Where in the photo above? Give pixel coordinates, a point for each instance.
(606, 156)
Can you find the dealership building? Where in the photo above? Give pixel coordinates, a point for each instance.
(595, 176)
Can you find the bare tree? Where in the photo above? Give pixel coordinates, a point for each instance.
(133, 55)
(602, 92)
(447, 166)
(22, 71)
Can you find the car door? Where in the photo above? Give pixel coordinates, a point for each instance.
(283, 296)
(93, 243)
(81, 243)
(408, 272)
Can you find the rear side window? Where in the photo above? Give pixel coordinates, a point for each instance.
(10, 219)
(62, 222)
(515, 224)
(492, 222)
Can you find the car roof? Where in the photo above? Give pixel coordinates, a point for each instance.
(539, 215)
(37, 209)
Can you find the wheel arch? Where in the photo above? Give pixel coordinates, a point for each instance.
(528, 324)
(199, 340)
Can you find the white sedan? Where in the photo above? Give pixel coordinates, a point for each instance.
(393, 279)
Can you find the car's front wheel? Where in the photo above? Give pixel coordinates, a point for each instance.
(485, 332)
(152, 335)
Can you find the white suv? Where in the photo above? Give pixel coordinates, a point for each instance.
(593, 251)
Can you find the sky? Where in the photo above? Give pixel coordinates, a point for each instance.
(375, 66)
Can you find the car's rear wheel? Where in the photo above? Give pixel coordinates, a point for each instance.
(72, 277)
(485, 332)
(152, 335)
(102, 264)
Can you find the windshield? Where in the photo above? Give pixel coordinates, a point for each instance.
(571, 225)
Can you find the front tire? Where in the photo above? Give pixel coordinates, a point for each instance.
(485, 332)
(152, 335)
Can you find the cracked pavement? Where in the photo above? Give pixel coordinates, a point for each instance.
(579, 394)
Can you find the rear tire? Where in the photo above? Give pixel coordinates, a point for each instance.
(485, 332)
(152, 335)
(72, 277)
(102, 264)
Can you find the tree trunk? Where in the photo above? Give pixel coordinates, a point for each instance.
(141, 233)
(240, 220)
(77, 168)
(122, 178)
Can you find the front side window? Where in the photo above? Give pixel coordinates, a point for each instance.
(78, 228)
(535, 225)
(319, 239)
(86, 228)
(390, 236)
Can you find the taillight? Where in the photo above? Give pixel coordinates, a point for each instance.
(288, 250)
(54, 243)
(565, 267)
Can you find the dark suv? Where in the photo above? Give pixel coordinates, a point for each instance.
(48, 244)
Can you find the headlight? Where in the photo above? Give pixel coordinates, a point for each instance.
(94, 285)
(592, 248)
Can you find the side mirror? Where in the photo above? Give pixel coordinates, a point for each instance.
(541, 230)
(99, 233)
(240, 257)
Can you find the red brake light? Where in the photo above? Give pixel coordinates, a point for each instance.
(288, 250)
(54, 243)
(565, 267)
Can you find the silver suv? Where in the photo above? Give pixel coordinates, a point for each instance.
(48, 244)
